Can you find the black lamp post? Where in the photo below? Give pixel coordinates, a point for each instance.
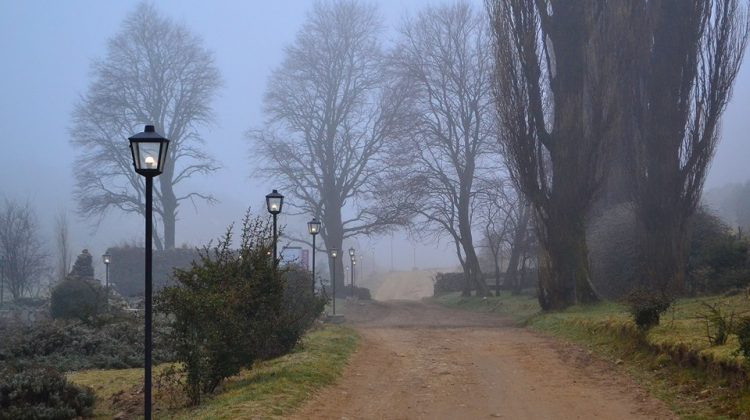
(274, 202)
(2, 280)
(313, 227)
(333, 253)
(107, 259)
(149, 151)
(351, 264)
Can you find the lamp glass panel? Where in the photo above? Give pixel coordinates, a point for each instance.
(274, 205)
(147, 155)
(313, 227)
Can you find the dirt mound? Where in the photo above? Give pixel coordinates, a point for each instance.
(406, 285)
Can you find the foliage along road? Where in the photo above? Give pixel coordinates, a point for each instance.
(423, 361)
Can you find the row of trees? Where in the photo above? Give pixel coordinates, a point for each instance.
(362, 137)
(525, 113)
(368, 139)
(575, 80)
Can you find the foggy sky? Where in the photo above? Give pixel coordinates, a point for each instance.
(47, 48)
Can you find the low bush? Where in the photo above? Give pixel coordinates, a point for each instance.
(77, 298)
(234, 307)
(67, 345)
(42, 393)
(361, 293)
(448, 282)
(719, 324)
(743, 336)
(646, 307)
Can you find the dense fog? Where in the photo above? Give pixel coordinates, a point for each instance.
(48, 50)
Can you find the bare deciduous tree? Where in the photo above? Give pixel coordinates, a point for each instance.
(685, 56)
(24, 260)
(329, 110)
(444, 59)
(555, 97)
(155, 72)
(496, 212)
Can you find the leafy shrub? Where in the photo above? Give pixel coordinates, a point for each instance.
(104, 343)
(743, 336)
(299, 310)
(718, 324)
(77, 298)
(718, 259)
(42, 393)
(448, 282)
(646, 307)
(225, 308)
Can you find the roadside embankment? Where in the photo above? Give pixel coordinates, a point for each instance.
(674, 360)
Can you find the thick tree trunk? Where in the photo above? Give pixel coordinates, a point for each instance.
(518, 248)
(663, 253)
(334, 238)
(497, 270)
(169, 207)
(476, 272)
(564, 274)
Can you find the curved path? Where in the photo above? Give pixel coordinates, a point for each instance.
(423, 361)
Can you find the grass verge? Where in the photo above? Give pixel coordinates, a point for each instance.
(270, 389)
(674, 360)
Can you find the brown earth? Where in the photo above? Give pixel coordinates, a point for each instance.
(422, 361)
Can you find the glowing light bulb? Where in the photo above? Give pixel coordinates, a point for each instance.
(150, 162)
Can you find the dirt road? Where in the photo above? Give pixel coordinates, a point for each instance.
(422, 361)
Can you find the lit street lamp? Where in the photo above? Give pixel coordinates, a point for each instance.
(2, 280)
(107, 259)
(351, 264)
(333, 253)
(313, 227)
(274, 202)
(149, 151)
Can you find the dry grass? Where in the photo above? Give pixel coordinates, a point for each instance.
(271, 389)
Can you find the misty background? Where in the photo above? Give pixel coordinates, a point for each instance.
(47, 51)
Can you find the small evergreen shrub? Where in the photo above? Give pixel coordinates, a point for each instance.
(743, 336)
(42, 393)
(77, 298)
(646, 307)
(718, 324)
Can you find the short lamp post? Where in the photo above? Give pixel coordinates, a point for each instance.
(313, 227)
(2, 280)
(351, 265)
(107, 259)
(333, 254)
(274, 202)
(149, 150)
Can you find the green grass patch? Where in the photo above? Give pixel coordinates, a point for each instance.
(270, 389)
(674, 361)
(519, 307)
